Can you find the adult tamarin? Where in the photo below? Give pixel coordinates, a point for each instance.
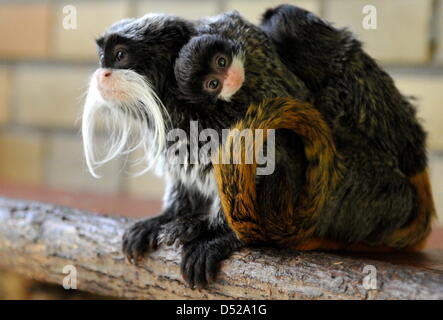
(136, 92)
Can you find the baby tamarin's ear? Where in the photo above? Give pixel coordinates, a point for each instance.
(209, 67)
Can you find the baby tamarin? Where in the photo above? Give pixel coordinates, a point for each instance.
(210, 68)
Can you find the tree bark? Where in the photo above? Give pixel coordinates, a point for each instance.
(39, 240)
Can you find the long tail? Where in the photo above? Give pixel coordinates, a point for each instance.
(237, 182)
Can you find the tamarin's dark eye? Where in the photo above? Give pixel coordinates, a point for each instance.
(213, 84)
(120, 55)
(221, 62)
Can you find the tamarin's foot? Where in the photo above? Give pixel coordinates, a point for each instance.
(183, 230)
(142, 237)
(201, 257)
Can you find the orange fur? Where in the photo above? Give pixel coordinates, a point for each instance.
(294, 225)
(414, 235)
(236, 182)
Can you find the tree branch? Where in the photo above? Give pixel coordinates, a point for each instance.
(39, 240)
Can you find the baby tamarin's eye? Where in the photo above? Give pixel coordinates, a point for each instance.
(212, 85)
(220, 64)
(221, 61)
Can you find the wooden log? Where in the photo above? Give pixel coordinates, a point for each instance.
(38, 240)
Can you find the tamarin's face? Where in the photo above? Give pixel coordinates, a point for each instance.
(209, 68)
(129, 89)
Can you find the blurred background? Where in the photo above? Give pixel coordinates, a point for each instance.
(45, 68)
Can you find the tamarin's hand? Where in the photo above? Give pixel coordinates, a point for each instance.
(202, 256)
(182, 221)
(143, 237)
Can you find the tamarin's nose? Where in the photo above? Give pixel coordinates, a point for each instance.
(104, 76)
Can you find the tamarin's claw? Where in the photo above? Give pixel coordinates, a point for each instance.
(183, 230)
(201, 257)
(141, 238)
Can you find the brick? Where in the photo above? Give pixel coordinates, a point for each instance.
(191, 9)
(5, 91)
(93, 17)
(403, 27)
(24, 30)
(50, 96)
(148, 185)
(439, 34)
(22, 156)
(66, 167)
(427, 90)
(253, 12)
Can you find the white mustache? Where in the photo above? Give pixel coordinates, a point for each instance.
(138, 122)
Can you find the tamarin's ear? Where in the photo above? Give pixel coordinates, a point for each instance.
(172, 35)
(179, 30)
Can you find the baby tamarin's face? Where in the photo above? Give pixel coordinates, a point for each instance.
(209, 68)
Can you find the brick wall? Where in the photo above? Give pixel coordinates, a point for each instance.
(44, 71)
